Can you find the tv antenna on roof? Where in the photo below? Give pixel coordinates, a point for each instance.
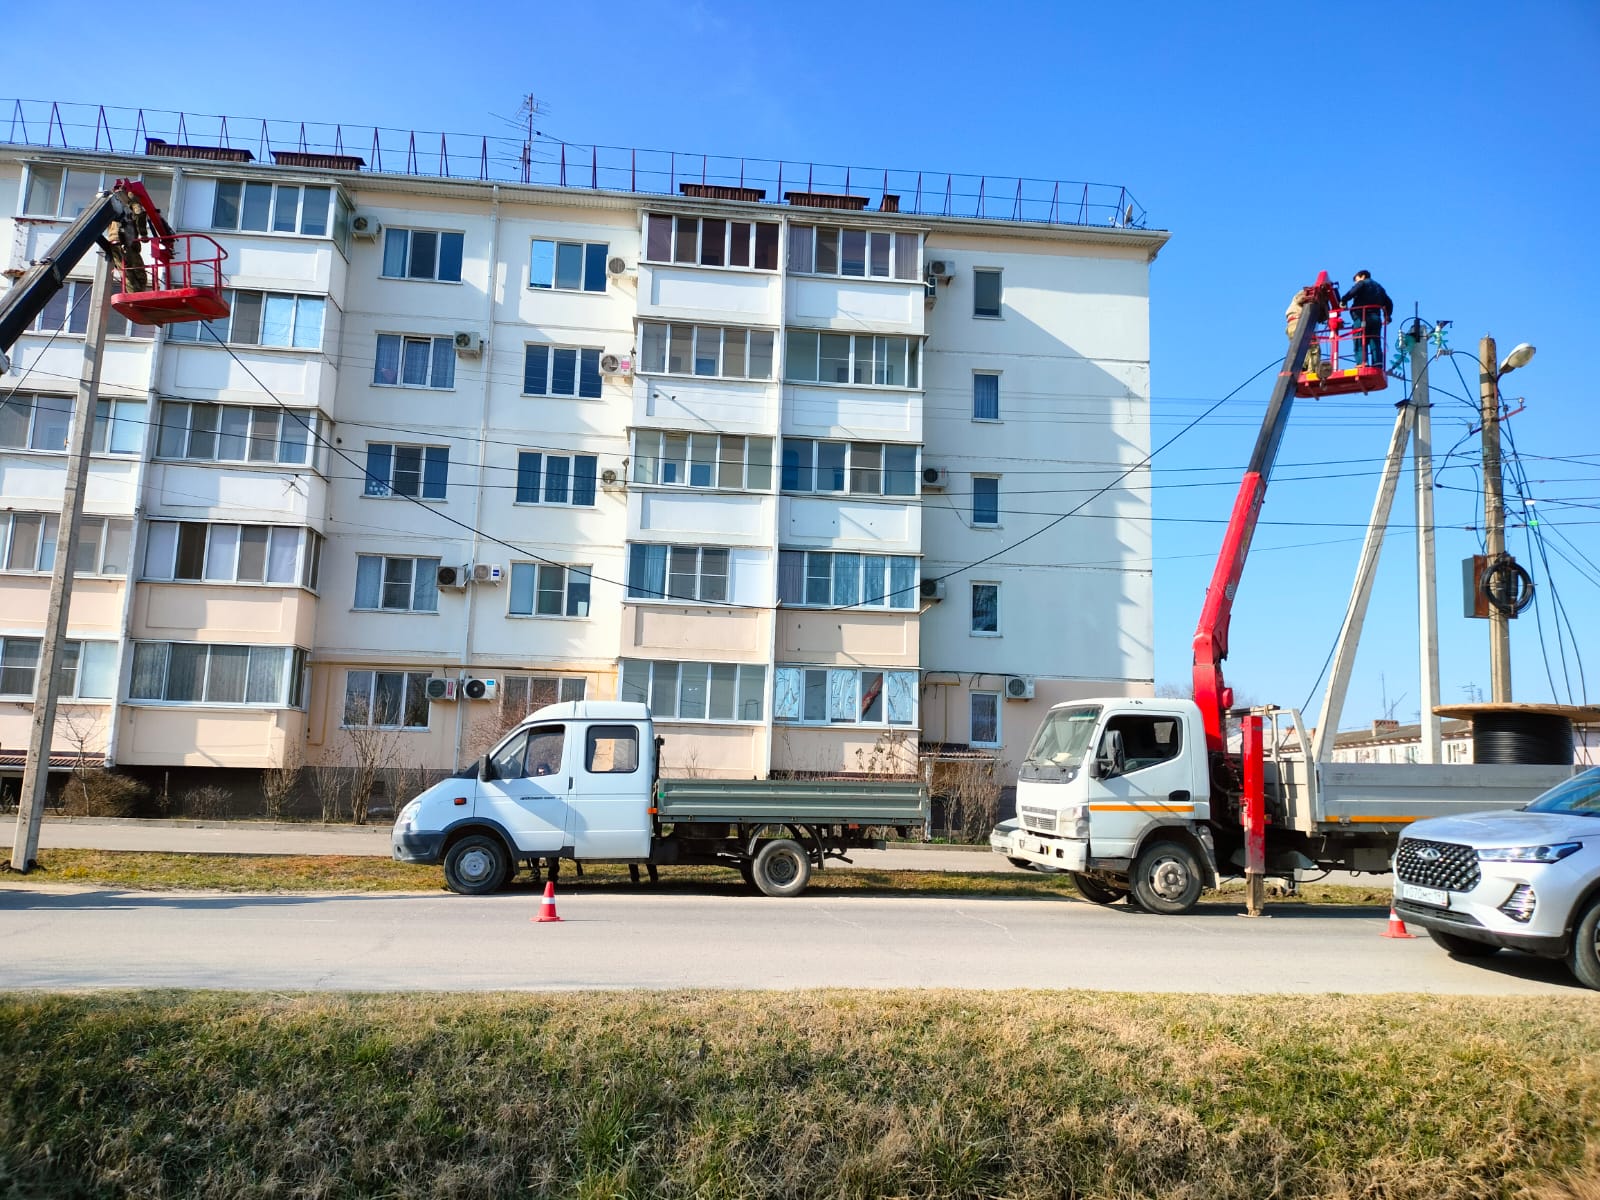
(531, 108)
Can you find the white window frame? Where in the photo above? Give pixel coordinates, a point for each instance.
(667, 683)
(973, 629)
(997, 419)
(584, 258)
(860, 359)
(112, 420)
(852, 468)
(563, 688)
(695, 335)
(841, 687)
(998, 515)
(423, 581)
(299, 420)
(330, 220)
(409, 680)
(69, 670)
(636, 591)
(972, 723)
(307, 553)
(802, 258)
(159, 186)
(1000, 304)
(440, 349)
(550, 350)
(209, 333)
(698, 254)
(62, 408)
(374, 488)
(290, 693)
(408, 232)
(542, 492)
(654, 456)
(572, 583)
(820, 564)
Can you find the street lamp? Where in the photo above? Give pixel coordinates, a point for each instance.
(1521, 355)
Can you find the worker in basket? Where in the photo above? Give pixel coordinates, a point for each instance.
(1370, 305)
(1291, 316)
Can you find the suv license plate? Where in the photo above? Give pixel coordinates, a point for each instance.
(1422, 895)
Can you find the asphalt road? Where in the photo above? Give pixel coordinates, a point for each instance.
(54, 938)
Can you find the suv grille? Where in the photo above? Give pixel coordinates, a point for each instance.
(1450, 867)
(1041, 819)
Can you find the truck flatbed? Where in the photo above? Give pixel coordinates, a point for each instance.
(793, 801)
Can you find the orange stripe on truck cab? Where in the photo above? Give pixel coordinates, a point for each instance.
(1152, 806)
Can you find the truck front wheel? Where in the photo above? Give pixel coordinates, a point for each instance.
(782, 868)
(475, 866)
(1166, 878)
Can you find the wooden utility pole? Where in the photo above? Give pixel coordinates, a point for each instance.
(36, 769)
(1427, 583)
(1494, 517)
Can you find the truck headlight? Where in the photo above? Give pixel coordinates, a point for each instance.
(1530, 854)
(408, 814)
(1074, 821)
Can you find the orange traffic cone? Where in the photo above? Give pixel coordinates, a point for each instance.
(1397, 927)
(547, 906)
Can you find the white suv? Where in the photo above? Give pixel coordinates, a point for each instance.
(1528, 879)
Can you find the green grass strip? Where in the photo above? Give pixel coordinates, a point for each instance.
(824, 1094)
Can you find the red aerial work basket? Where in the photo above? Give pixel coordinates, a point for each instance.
(174, 278)
(1345, 359)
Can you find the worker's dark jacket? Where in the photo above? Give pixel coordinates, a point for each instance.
(1369, 293)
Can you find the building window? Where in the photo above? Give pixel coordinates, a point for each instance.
(19, 665)
(986, 293)
(561, 371)
(188, 673)
(271, 208)
(421, 362)
(235, 433)
(88, 671)
(178, 551)
(862, 253)
(260, 319)
(711, 242)
(35, 422)
(695, 691)
(703, 460)
(983, 711)
(418, 471)
(711, 350)
(59, 192)
(386, 700)
(860, 360)
(556, 479)
(119, 427)
(836, 579)
(28, 543)
(523, 694)
(844, 696)
(422, 254)
(568, 266)
(68, 312)
(985, 500)
(856, 468)
(397, 584)
(678, 573)
(549, 590)
(986, 608)
(985, 396)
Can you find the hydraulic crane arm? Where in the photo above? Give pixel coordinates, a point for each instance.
(114, 220)
(1211, 693)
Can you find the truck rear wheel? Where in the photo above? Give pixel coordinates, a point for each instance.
(782, 868)
(1166, 878)
(475, 866)
(1097, 891)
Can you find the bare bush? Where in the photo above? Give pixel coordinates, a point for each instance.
(97, 792)
(328, 784)
(970, 788)
(206, 803)
(280, 785)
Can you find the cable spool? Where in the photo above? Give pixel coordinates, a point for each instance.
(1521, 738)
(1507, 586)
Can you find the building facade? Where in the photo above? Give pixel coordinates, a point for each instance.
(462, 448)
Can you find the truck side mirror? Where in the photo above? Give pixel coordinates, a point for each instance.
(1109, 761)
(485, 768)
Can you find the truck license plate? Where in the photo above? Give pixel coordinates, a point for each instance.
(1422, 895)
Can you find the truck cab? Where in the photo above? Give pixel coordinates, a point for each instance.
(1116, 791)
(572, 780)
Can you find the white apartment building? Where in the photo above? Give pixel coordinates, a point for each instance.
(463, 448)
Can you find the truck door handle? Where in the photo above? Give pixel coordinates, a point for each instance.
(1178, 797)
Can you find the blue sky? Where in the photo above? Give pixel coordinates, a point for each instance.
(1450, 148)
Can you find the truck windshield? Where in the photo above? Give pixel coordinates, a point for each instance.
(1064, 737)
(1579, 796)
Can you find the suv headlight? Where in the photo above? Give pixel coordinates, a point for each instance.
(1530, 854)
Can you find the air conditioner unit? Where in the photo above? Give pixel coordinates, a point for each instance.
(487, 572)
(610, 480)
(1019, 687)
(941, 268)
(365, 227)
(480, 689)
(612, 364)
(469, 343)
(453, 577)
(935, 479)
(616, 265)
(932, 589)
(441, 689)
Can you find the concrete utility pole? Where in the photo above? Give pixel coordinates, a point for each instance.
(1494, 517)
(36, 770)
(1427, 581)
